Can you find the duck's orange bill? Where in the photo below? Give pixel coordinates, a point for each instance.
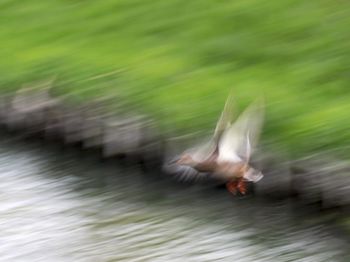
(237, 186)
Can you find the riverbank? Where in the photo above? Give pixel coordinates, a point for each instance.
(319, 180)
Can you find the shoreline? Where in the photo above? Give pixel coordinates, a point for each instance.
(317, 180)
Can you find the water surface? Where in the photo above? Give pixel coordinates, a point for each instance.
(61, 206)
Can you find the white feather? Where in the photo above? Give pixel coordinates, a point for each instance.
(238, 141)
(202, 152)
(253, 175)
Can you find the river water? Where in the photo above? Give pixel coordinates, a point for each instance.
(61, 206)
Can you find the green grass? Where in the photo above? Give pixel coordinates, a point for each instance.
(178, 59)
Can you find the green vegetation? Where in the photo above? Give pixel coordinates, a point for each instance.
(178, 59)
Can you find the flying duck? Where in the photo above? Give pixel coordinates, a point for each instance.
(226, 155)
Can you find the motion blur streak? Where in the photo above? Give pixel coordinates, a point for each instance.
(116, 90)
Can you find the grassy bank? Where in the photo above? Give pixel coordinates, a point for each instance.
(178, 59)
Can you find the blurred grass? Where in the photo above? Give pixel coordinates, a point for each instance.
(177, 59)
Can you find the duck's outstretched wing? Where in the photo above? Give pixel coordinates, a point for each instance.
(184, 174)
(189, 175)
(226, 118)
(206, 150)
(202, 151)
(238, 141)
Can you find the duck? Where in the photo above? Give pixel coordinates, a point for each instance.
(226, 156)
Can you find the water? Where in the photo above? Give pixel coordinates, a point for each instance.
(59, 206)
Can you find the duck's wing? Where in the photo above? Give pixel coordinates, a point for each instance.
(182, 173)
(225, 119)
(238, 141)
(206, 150)
(202, 151)
(188, 175)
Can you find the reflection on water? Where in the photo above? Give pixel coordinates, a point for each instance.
(61, 207)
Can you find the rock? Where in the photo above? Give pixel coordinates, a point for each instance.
(276, 182)
(92, 132)
(54, 124)
(95, 114)
(335, 188)
(322, 180)
(28, 109)
(122, 136)
(14, 121)
(305, 184)
(4, 109)
(151, 147)
(72, 124)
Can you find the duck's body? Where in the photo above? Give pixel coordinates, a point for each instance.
(227, 154)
